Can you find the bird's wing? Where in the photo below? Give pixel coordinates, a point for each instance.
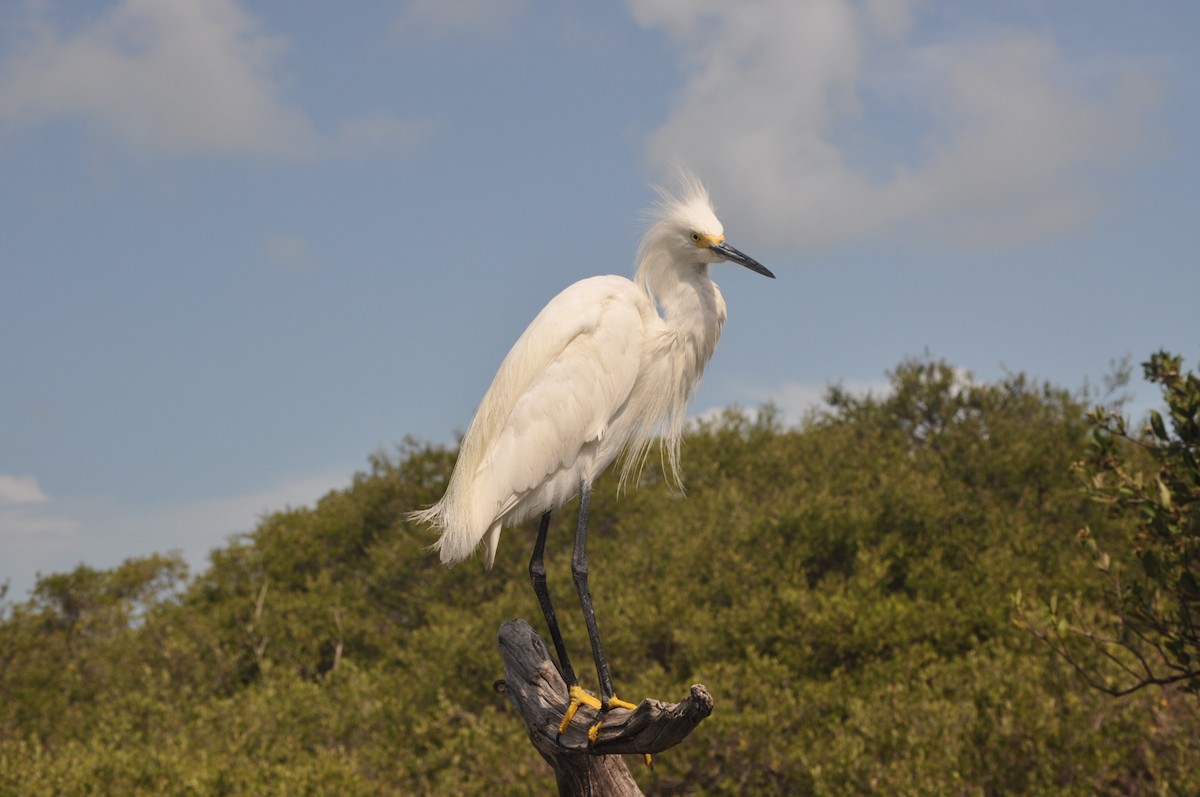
(559, 387)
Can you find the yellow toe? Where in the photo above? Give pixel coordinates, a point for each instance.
(613, 702)
(578, 698)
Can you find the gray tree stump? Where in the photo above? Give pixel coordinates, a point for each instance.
(538, 692)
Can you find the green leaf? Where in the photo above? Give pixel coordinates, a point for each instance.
(1164, 494)
(1156, 423)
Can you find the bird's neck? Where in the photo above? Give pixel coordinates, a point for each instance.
(685, 313)
(692, 311)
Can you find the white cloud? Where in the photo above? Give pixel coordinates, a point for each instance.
(17, 490)
(823, 121)
(795, 400)
(181, 76)
(178, 77)
(889, 19)
(56, 534)
(424, 20)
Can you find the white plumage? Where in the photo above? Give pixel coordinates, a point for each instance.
(608, 365)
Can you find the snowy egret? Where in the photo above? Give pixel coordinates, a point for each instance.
(608, 366)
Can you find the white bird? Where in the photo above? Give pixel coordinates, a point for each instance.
(608, 366)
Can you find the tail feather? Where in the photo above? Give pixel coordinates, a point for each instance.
(430, 516)
(456, 540)
(491, 540)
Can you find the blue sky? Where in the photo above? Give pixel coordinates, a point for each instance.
(243, 245)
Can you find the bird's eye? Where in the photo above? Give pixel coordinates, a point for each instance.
(696, 237)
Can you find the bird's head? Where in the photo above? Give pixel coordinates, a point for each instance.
(688, 231)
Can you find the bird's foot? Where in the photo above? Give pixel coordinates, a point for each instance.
(613, 702)
(578, 698)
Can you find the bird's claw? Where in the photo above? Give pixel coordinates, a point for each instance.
(616, 702)
(613, 702)
(578, 698)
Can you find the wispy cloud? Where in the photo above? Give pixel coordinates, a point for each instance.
(183, 76)
(48, 534)
(792, 111)
(177, 78)
(795, 400)
(17, 490)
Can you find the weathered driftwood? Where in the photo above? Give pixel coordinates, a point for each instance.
(535, 687)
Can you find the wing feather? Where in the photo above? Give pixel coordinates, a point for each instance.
(555, 393)
(574, 387)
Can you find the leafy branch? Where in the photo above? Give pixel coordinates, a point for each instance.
(1145, 632)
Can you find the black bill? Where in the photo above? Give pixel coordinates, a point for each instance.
(734, 256)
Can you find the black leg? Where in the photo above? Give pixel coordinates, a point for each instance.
(537, 574)
(579, 569)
